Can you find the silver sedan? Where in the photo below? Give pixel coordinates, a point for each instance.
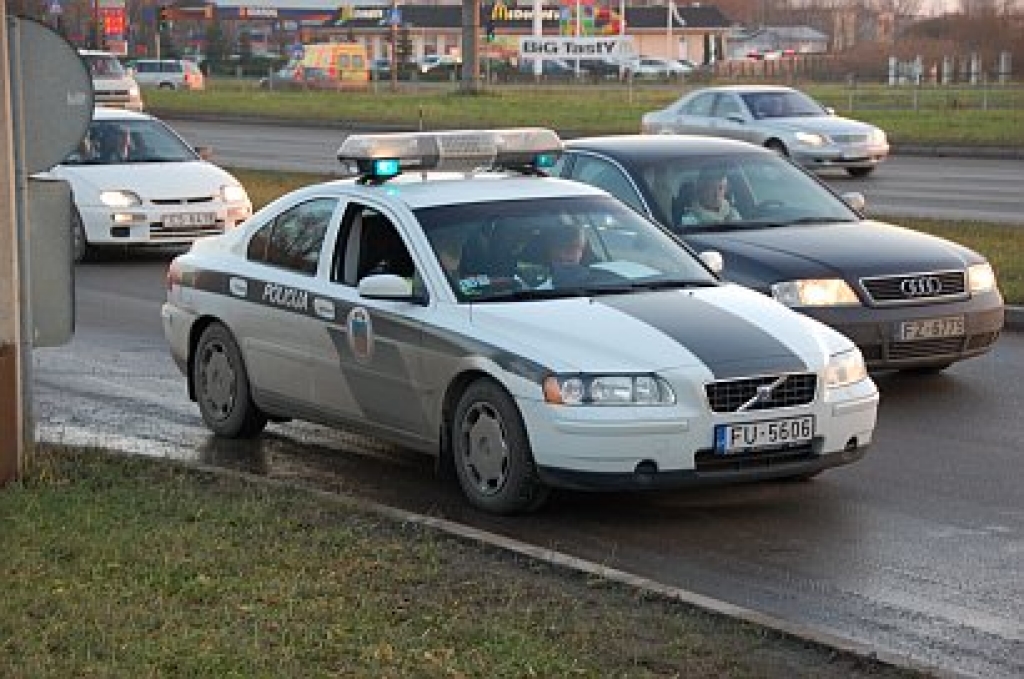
(780, 118)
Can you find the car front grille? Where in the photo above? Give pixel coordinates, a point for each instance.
(729, 396)
(707, 461)
(926, 348)
(849, 138)
(183, 201)
(918, 287)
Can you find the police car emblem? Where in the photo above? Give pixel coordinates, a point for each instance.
(360, 333)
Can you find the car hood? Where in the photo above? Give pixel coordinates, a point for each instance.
(152, 181)
(729, 330)
(853, 251)
(828, 125)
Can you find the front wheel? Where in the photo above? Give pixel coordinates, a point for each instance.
(222, 386)
(492, 454)
(859, 171)
(81, 251)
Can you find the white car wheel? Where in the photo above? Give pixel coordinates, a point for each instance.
(222, 386)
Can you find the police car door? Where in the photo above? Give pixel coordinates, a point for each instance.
(367, 358)
(275, 323)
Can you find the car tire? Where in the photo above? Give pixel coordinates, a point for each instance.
(777, 146)
(81, 251)
(222, 386)
(859, 171)
(491, 452)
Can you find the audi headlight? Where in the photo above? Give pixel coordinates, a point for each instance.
(120, 198)
(614, 390)
(815, 292)
(845, 369)
(811, 138)
(232, 193)
(981, 278)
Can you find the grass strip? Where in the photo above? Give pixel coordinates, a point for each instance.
(1002, 244)
(132, 566)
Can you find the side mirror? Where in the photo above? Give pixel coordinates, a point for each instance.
(713, 260)
(205, 152)
(856, 200)
(386, 286)
(829, 110)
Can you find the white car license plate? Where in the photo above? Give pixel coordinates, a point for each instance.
(752, 436)
(179, 220)
(931, 328)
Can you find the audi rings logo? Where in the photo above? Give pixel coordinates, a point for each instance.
(923, 286)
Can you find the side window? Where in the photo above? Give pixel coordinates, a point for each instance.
(701, 106)
(146, 67)
(726, 105)
(368, 244)
(343, 62)
(604, 175)
(358, 62)
(294, 240)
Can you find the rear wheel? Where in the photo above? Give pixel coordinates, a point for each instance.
(859, 171)
(222, 386)
(491, 452)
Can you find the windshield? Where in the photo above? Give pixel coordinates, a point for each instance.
(781, 104)
(556, 247)
(104, 66)
(737, 191)
(113, 142)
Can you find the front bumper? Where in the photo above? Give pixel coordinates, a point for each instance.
(875, 331)
(610, 448)
(146, 224)
(839, 156)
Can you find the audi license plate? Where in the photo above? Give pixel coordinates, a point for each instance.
(731, 439)
(189, 219)
(931, 328)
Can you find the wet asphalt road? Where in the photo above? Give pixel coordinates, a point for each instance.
(985, 189)
(917, 550)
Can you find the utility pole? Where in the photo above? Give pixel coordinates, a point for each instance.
(393, 21)
(12, 434)
(470, 46)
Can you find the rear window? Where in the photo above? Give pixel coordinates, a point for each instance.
(103, 66)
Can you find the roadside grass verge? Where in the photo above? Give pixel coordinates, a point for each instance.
(1003, 245)
(570, 109)
(122, 566)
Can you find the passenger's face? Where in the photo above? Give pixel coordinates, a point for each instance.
(713, 192)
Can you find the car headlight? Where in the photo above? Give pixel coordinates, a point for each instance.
(232, 193)
(845, 369)
(815, 292)
(878, 137)
(981, 278)
(811, 139)
(614, 390)
(120, 198)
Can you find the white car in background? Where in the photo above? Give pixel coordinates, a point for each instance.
(657, 67)
(112, 84)
(135, 182)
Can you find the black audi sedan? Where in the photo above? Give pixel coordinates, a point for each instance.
(909, 300)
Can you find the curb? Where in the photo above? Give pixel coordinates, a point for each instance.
(798, 631)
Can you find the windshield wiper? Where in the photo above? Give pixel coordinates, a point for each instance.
(811, 220)
(672, 284)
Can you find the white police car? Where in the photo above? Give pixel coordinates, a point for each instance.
(431, 309)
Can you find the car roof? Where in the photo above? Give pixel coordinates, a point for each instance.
(440, 189)
(746, 88)
(638, 148)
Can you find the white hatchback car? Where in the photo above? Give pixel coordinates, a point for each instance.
(136, 182)
(529, 331)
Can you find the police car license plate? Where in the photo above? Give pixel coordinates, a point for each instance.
(931, 328)
(178, 220)
(731, 439)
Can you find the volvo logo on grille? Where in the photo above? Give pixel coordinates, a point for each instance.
(763, 394)
(923, 286)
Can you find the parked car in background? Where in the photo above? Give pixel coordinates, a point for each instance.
(908, 300)
(554, 68)
(656, 67)
(299, 78)
(780, 118)
(431, 61)
(112, 84)
(169, 74)
(135, 182)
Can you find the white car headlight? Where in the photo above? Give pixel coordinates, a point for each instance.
(811, 139)
(981, 278)
(232, 193)
(615, 390)
(878, 137)
(815, 292)
(845, 369)
(120, 198)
